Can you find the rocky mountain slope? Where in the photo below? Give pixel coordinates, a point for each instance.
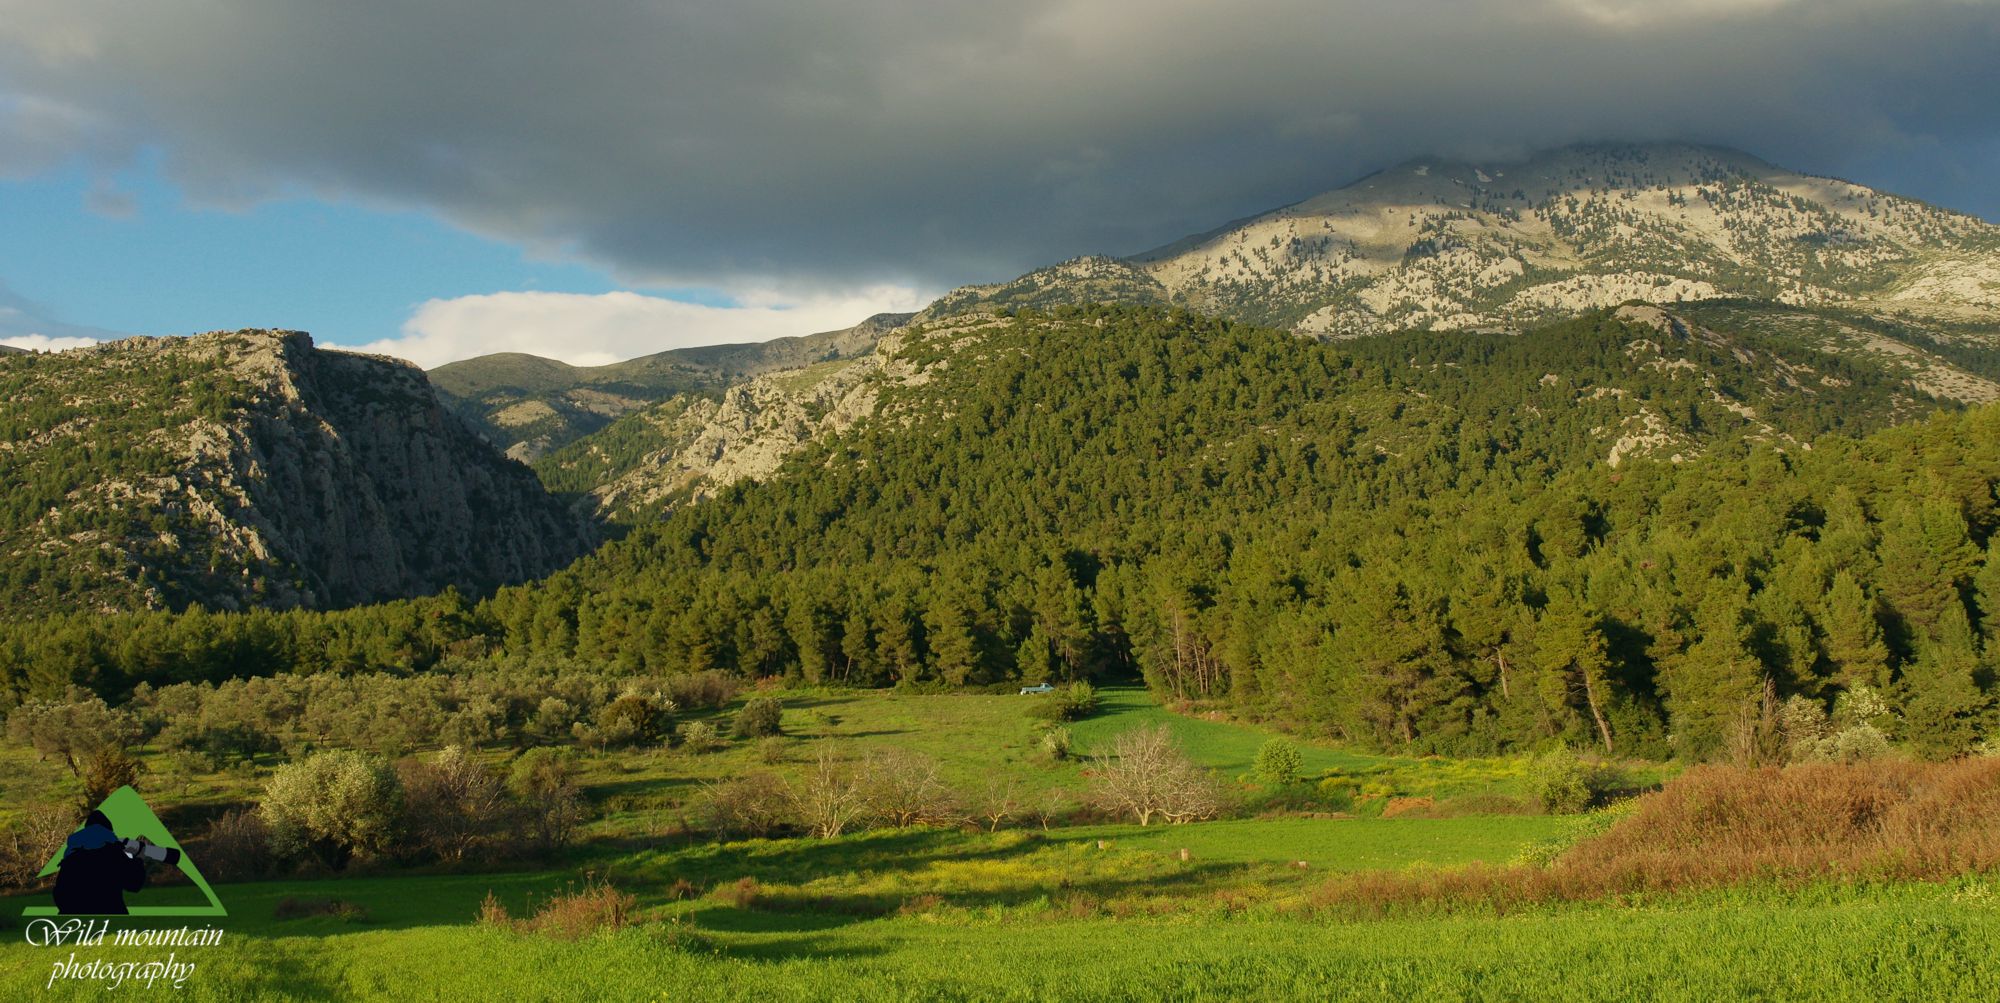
(1742, 359)
(691, 447)
(242, 468)
(529, 405)
(1441, 245)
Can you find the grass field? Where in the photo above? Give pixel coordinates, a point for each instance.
(1909, 943)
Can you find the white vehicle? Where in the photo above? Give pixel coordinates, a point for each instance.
(1043, 688)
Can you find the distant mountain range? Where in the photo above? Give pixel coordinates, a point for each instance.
(254, 469)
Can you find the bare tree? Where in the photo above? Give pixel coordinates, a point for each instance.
(831, 798)
(1052, 805)
(1145, 775)
(999, 801)
(908, 788)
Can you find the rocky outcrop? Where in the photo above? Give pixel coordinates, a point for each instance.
(531, 406)
(758, 425)
(297, 477)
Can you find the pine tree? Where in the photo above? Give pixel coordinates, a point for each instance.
(1711, 686)
(948, 632)
(1570, 663)
(1943, 710)
(1851, 636)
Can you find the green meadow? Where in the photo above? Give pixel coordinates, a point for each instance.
(1228, 909)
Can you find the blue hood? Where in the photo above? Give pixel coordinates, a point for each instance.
(90, 837)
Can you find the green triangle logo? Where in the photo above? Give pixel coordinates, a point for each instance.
(131, 817)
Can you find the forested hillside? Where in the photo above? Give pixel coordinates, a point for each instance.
(1624, 531)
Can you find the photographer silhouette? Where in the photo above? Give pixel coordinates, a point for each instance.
(98, 868)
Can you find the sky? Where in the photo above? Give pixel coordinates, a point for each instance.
(439, 179)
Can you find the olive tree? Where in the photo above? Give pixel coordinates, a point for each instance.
(333, 806)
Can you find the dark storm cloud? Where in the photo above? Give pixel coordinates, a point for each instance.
(937, 142)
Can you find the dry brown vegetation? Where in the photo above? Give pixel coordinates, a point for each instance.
(1718, 825)
(597, 905)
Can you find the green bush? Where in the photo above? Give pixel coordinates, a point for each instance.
(552, 806)
(632, 719)
(1073, 702)
(1279, 763)
(1056, 744)
(698, 737)
(333, 806)
(760, 717)
(1561, 782)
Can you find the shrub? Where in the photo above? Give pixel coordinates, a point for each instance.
(1885, 821)
(753, 805)
(743, 893)
(1056, 744)
(332, 806)
(544, 782)
(570, 915)
(1338, 792)
(700, 737)
(235, 847)
(1561, 782)
(289, 908)
(1848, 736)
(108, 768)
(907, 788)
(1543, 852)
(1279, 762)
(553, 721)
(709, 688)
(30, 840)
(771, 751)
(595, 906)
(632, 719)
(831, 797)
(1073, 702)
(761, 717)
(997, 802)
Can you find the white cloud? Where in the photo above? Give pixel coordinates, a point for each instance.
(592, 330)
(27, 324)
(44, 343)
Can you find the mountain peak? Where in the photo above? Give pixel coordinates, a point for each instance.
(1446, 244)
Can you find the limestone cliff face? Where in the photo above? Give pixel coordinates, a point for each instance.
(296, 477)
